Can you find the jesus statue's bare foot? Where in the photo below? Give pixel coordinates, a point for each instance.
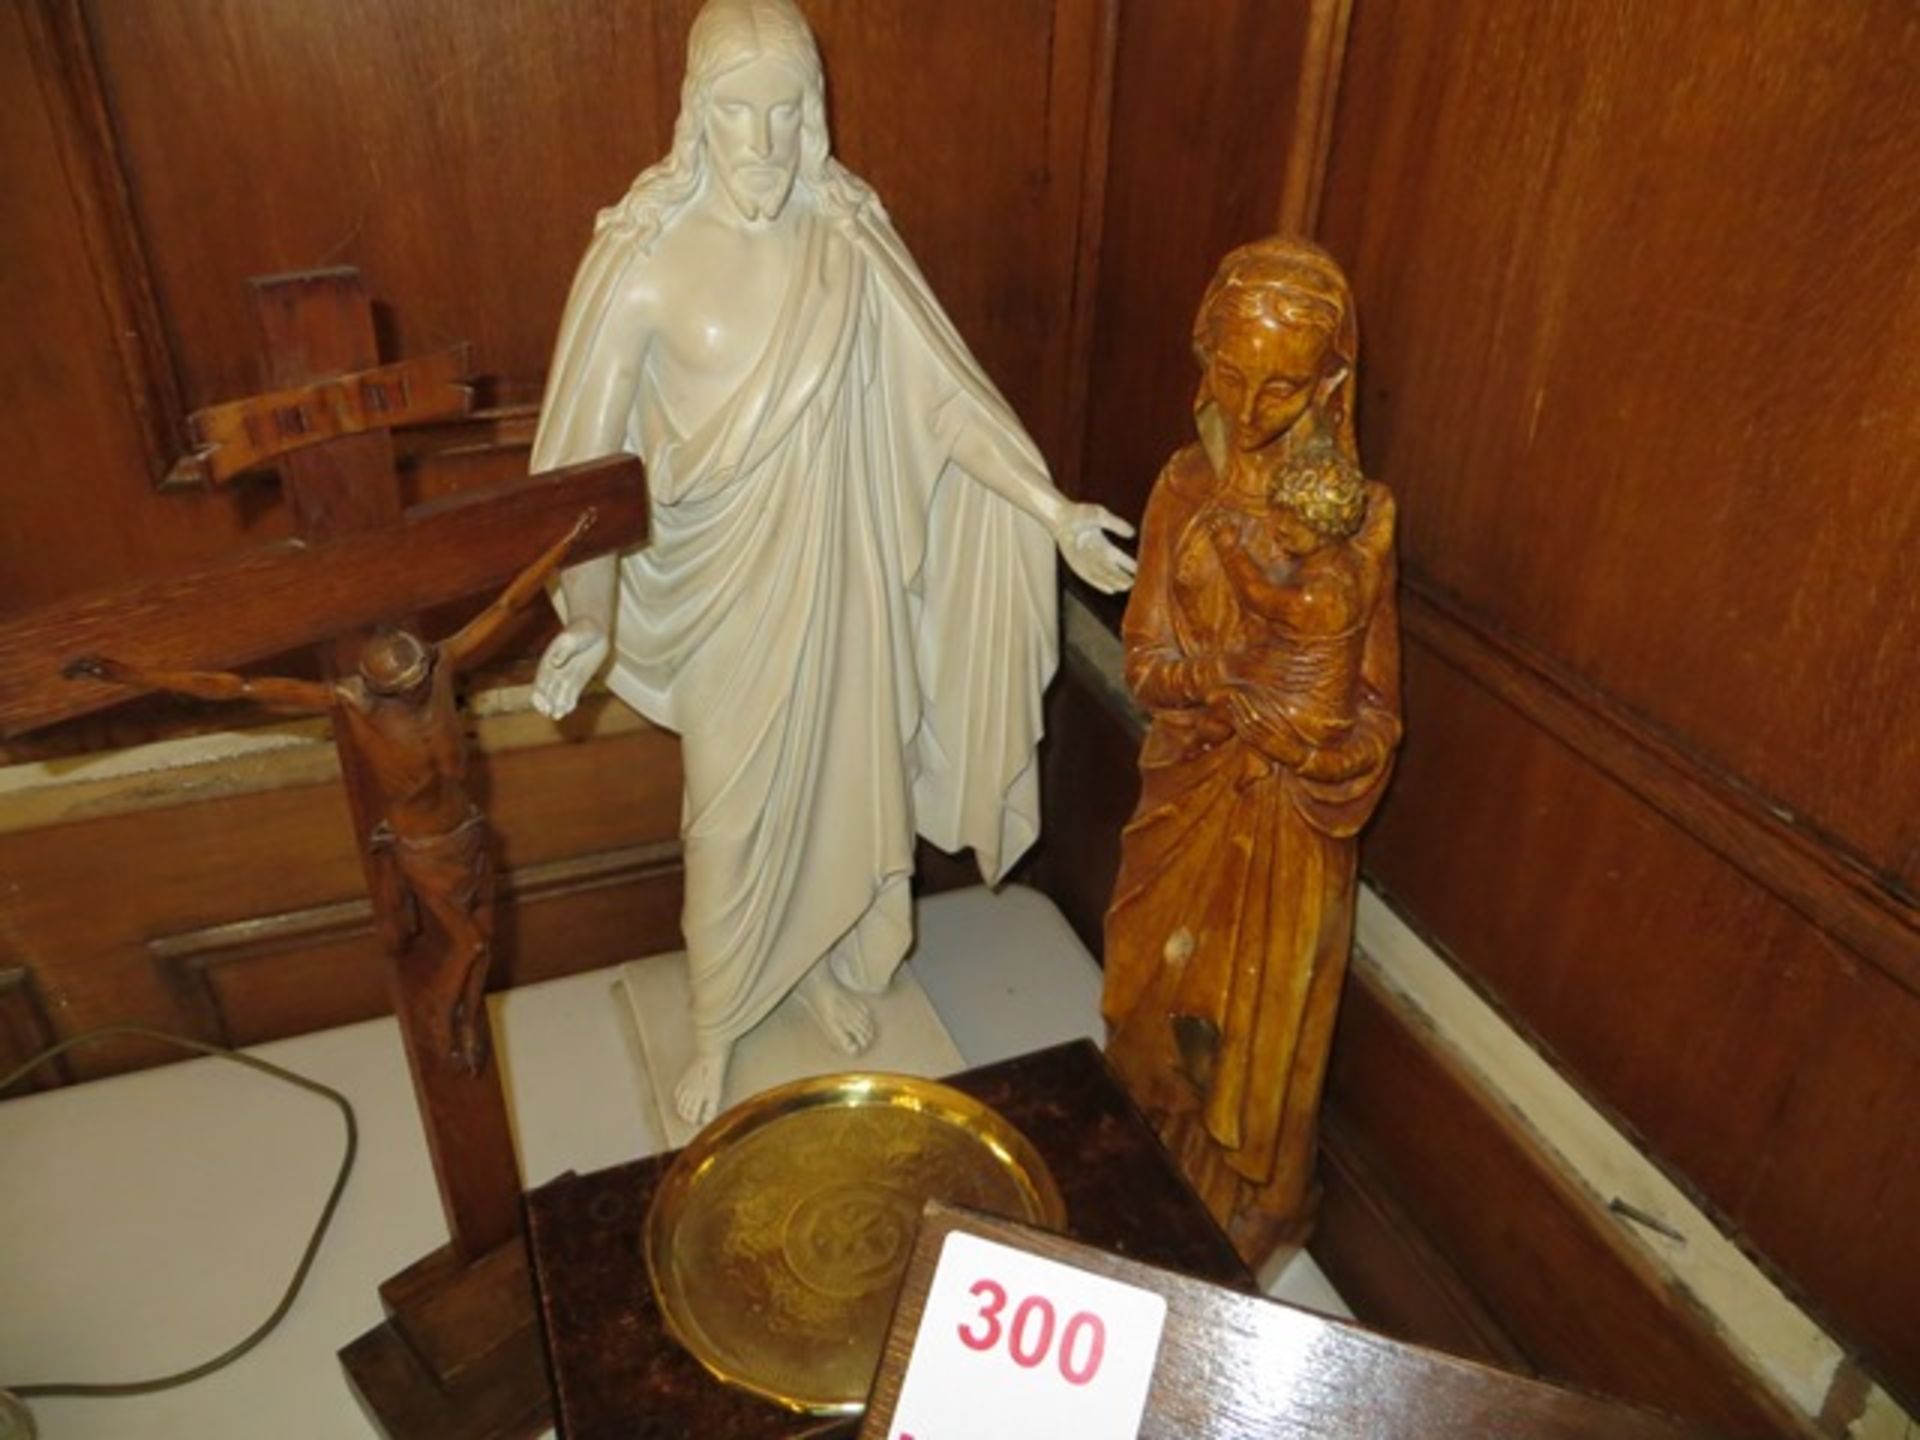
(697, 1095)
(846, 1021)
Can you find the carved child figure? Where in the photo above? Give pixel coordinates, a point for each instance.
(403, 712)
(1306, 596)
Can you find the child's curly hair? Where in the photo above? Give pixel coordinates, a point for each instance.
(1323, 488)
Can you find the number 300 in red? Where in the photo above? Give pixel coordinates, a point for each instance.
(1030, 1333)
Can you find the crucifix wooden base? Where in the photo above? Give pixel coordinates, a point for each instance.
(459, 1355)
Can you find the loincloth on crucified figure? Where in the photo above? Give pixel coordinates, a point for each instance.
(449, 876)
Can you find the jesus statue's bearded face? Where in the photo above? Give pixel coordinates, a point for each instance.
(753, 125)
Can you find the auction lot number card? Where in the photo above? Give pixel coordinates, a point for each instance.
(1015, 1347)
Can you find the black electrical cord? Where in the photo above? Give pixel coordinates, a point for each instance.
(292, 1292)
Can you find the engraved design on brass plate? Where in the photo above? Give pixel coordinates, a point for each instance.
(847, 1238)
(777, 1239)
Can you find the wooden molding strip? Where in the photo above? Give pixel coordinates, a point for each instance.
(189, 961)
(1311, 143)
(546, 881)
(1095, 656)
(182, 757)
(25, 1031)
(96, 178)
(1094, 165)
(1822, 884)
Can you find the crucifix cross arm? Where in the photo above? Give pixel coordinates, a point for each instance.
(467, 645)
(266, 601)
(280, 692)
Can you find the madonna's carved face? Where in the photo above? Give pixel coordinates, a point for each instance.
(1264, 373)
(753, 134)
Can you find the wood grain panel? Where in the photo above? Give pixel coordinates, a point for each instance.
(1773, 1072)
(77, 493)
(1203, 101)
(973, 122)
(1642, 331)
(457, 154)
(88, 896)
(1877, 923)
(261, 979)
(1581, 1303)
(1384, 1266)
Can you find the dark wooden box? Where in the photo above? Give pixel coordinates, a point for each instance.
(618, 1376)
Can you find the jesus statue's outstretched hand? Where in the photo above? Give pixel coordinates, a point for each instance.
(572, 658)
(1081, 533)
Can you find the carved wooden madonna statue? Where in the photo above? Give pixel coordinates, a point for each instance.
(1262, 637)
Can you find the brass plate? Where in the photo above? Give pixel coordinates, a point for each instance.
(777, 1239)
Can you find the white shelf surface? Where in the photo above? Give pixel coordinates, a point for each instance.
(150, 1220)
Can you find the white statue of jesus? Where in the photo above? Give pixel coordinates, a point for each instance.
(847, 604)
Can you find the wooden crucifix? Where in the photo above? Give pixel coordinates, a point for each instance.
(401, 716)
(358, 566)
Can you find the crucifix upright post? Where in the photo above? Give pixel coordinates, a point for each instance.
(313, 326)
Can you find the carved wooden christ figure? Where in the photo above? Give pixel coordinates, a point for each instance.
(403, 713)
(1262, 638)
(846, 604)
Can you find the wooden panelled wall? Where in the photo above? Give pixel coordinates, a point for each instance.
(1639, 289)
(1641, 294)
(1639, 308)
(158, 156)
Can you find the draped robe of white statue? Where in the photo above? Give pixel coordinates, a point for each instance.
(850, 634)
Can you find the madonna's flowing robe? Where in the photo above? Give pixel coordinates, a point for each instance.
(850, 635)
(1232, 914)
